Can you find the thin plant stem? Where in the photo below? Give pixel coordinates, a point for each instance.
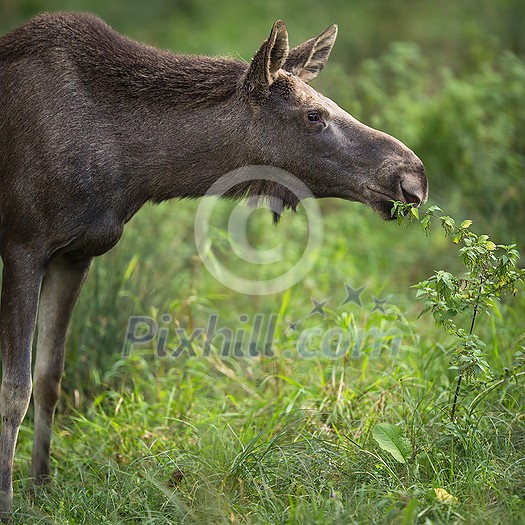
(456, 395)
(460, 376)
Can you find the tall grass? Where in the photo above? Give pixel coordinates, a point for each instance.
(284, 438)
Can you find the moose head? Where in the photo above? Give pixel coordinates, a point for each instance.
(297, 129)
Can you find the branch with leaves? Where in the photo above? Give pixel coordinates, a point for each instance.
(491, 272)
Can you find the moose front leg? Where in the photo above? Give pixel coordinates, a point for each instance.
(21, 281)
(62, 283)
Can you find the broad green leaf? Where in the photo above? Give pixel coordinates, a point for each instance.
(393, 440)
(410, 512)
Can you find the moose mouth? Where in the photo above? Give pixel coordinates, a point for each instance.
(382, 202)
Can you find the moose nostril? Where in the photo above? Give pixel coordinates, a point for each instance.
(413, 190)
(410, 198)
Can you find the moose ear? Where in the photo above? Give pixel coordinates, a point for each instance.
(266, 63)
(306, 60)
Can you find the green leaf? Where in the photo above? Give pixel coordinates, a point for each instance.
(395, 209)
(425, 224)
(448, 224)
(410, 512)
(393, 440)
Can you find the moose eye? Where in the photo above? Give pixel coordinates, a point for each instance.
(313, 116)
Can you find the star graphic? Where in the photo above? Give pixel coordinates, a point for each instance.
(400, 317)
(318, 307)
(379, 303)
(353, 295)
(293, 326)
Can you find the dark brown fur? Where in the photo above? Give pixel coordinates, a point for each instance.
(93, 125)
(107, 63)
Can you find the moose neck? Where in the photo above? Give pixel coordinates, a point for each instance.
(180, 121)
(180, 153)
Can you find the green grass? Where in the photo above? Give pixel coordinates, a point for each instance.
(288, 439)
(283, 438)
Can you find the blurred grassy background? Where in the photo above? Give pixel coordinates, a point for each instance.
(447, 78)
(459, 34)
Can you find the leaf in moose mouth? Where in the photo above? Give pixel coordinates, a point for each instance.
(392, 439)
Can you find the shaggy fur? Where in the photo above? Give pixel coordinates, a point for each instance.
(93, 125)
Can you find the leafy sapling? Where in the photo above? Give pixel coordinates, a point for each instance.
(491, 272)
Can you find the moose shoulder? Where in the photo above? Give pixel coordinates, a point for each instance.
(93, 125)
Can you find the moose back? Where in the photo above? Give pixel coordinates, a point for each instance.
(93, 125)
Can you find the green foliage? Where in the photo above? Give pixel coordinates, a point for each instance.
(466, 128)
(292, 440)
(392, 439)
(491, 272)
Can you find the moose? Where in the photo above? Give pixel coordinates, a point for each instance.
(93, 125)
